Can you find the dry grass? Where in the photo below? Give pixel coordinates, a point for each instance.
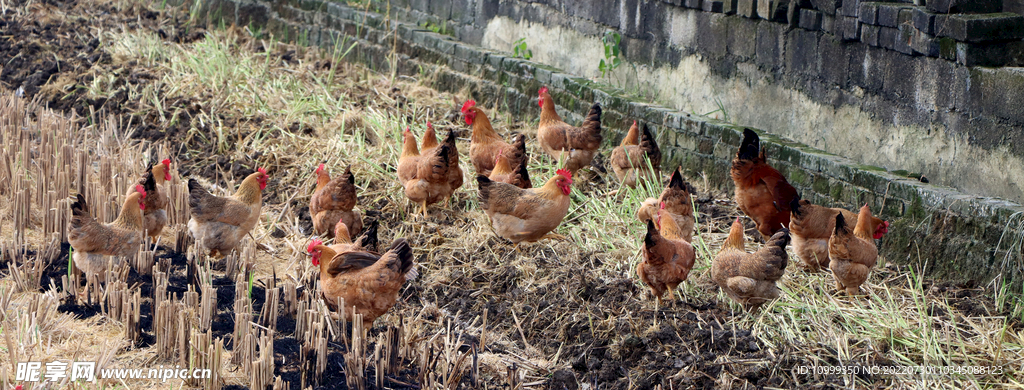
(252, 92)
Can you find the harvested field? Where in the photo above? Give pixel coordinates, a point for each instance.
(108, 84)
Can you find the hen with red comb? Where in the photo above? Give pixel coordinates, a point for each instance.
(485, 143)
(576, 146)
(220, 223)
(526, 214)
(367, 282)
(678, 205)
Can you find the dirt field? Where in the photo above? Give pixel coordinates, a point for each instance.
(136, 80)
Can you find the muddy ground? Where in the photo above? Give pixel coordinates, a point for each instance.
(605, 327)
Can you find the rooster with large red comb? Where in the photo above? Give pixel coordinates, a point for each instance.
(220, 223)
(577, 145)
(485, 144)
(526, 214)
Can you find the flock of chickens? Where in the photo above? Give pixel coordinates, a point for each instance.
(368, 282)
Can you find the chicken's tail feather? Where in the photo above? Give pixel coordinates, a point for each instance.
(400, 247)
(79, 212)
(79, 207)
(794, 206)
(842, 227)
(452, 151)
(412, 274)
(519, 146)
(196, 193)
(149, 183)
(780, 239)
(484, 195)
(368, 239)
(750, 147)
(592, 126)
(677, 182)
(651, 239)
(650, 146)
(349, 176)
(524, 174)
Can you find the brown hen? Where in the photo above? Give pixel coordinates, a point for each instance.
(220, 223)
(367, 282)
(852, 254)
(812, 225)
(668, 258)
(749, 278)
(637, 157)
(155, 215)
(334, 200)
(519, 177)
(485, 143)
(526, 214)
(93, 241)
(678, 204)
(762, 193)
(560, 140)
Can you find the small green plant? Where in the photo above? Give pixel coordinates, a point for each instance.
(252, 275)
(520, 50)
(611, 59)
(71, 263)
(438, 29)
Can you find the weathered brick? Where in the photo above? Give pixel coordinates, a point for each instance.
(810, 19)
(905, 16)
(869, 34)
(746, 8)
(1004, 26)
(793, 13)
(827, 7)
(851, 28)
(770, 45)
(903, 38)
(773, 10)
(990, 54)
(729, 7)
(924, 20)
(868, 12)
(716, 6)
(888, 14)
(963, 6)
(835, 72)
(924, 44)
(802, 52)
(742, 37)
(850, 8)
(887, 37)
(829, 25)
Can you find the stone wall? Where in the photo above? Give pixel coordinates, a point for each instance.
(959, 237)
(884, 83)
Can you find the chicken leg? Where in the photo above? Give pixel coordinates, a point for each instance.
(555, 236)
